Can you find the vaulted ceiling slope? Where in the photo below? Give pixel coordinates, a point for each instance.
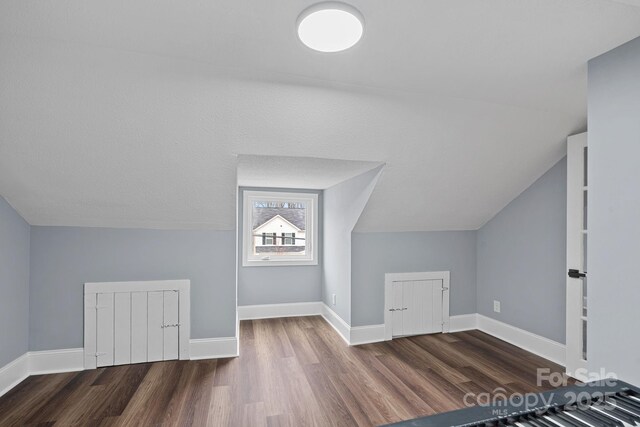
(298, 172)
(131, 113)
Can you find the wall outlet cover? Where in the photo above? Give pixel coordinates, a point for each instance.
(496, 306)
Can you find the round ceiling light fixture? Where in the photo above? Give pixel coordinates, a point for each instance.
(330, 26)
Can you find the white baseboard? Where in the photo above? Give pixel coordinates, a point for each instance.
(341, 327)
(352, 336)
(213, 348)
(366, 334)
(72, 360)
(529, 341)
(237, 337)
(13, 373)
(56, 361)
(38, 363)
(355, 335)
(267, 311)
(526, 340)
(463, 322)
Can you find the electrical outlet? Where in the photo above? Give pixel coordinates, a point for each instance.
(333, 299)
(496, 306)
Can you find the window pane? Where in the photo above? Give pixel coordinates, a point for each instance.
(584, 297)
(586, 164)
(268, 239)
(284, 224)
(584, 209)
(584, 339)
(288, 238)
(585, 238)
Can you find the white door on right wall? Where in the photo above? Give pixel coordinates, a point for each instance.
(577, 233)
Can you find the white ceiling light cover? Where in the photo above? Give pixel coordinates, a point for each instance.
(330, 26)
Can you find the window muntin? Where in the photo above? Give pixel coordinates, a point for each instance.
(279, 228)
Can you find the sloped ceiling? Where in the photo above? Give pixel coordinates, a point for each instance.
(298, 172)
(132, 113)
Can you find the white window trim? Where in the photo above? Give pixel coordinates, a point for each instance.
(311, 225)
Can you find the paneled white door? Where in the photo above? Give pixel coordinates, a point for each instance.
(417, 307)
(135, 327)
(577, 234)
(136, 322)
(104, 329)
(122, 328)
(139, 327)
(155, 326)
(171, 328)
(397, 316)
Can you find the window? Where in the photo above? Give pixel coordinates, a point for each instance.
(268, 239)
(289, 239)
(280, 228)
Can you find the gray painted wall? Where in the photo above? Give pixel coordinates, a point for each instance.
(343, 205)
(522, 258)
(14, 284)
(530, 231)
(64, 258)
(374, 254)
(614, 212)
(278, 284)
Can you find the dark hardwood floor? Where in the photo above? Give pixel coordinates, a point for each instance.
(291, 372)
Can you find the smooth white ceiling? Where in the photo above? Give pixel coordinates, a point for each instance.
(298, 172)
(131, 113)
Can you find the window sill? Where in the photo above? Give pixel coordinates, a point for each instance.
(274, 263)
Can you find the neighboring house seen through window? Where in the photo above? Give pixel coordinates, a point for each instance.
(279, 228)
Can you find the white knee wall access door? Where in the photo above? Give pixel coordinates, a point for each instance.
(416, 303)
(136, 322)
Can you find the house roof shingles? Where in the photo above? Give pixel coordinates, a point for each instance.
(293, 215)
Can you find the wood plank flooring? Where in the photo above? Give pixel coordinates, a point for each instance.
(291, 372)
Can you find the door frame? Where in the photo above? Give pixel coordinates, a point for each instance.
(389, 278)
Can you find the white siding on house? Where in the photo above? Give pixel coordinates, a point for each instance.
(278, 225)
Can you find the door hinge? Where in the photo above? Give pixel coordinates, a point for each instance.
(444, 288)
(171, 326)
